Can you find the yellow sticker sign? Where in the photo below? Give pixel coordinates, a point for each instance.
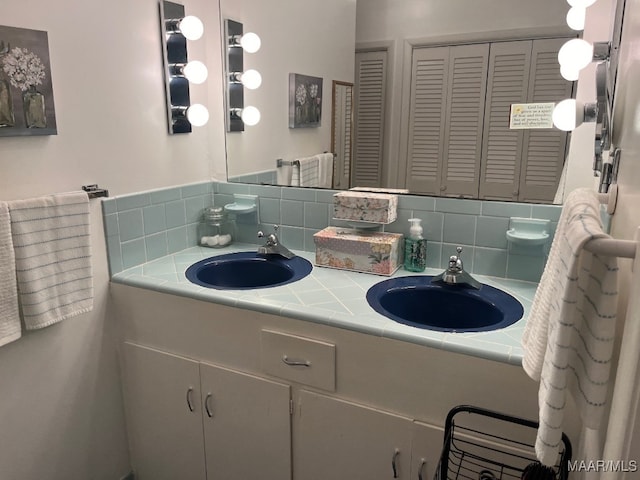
(531, 115)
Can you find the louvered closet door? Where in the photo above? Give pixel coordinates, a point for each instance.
(427, 119)
(544, 150)
(509, 66)
(371, 73)
(467, 83)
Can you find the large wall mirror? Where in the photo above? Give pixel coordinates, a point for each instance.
(407, 134)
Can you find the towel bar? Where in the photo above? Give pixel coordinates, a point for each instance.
(280, 162)
(612, 247)
(93, 191)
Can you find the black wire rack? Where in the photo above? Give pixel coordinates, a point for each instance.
(481, 444)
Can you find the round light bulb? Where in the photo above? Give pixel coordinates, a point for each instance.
(581, 3)
(576, 17)
(191, 27)
(565, 115)
(250, 115)
(251, 79)
(569, 73)
(198, 115)
(575, 54)
(196, 72)
(250, 42)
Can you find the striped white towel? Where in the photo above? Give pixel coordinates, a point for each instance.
(309, 171)
(325, 170)
(10, 329)
(53, 257)
(569, 336)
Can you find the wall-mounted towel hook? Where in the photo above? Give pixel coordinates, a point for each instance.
(610, 199)
(93, 191)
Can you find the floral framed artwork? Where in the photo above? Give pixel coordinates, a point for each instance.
(26, 91)
(305, 101)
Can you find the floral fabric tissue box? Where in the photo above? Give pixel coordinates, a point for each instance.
(350, 249)
(365, 207)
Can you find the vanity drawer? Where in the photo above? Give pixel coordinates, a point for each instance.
(299, 359)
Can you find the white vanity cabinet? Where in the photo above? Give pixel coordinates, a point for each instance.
(197, 421)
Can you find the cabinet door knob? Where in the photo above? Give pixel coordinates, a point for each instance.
(189, 402)
(393, 463)
(296, 363)
(423, 462)
(207, 405)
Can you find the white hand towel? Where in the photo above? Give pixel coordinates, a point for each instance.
(325, 170)
(309, 170)
(53, 257)
(569, 336)
(10, 329)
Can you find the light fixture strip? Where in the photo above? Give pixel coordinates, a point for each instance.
(234, 68)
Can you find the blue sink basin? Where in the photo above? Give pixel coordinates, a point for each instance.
(247, 270)
(417, 302)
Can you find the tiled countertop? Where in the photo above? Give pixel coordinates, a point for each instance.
(333, 297)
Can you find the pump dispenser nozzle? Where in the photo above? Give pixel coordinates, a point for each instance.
(415, 231)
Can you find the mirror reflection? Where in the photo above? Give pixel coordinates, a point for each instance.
(432, 86)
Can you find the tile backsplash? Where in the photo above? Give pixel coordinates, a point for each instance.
(144, 226)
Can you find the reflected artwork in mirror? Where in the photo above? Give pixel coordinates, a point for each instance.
(426, 88)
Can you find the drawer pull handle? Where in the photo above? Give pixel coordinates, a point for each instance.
(207, 405)
(393, 463)
(296, 363)
(423, 462)
(189, 395)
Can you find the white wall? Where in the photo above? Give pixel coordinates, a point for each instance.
(60, 402)
(310, 38)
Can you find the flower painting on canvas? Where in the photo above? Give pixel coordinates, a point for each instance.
(26, 92)
(305, 101)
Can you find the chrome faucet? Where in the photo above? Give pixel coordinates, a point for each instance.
(273, 246)
(455, 275)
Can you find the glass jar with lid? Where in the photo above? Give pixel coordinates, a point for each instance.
(216, 229)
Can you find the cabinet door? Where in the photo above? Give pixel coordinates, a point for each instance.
(247, 425)
(341, 440)
(426, 447)
(164, 422)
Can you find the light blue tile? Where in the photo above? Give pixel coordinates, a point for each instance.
(491, 232)
(177, 239)
(458, 205)
(165, 195)
(434, 254)
(414, 202)
(527, 250)
(265, 191)
(459, 228)
(109, 206)
(176, 215)
(130, 224)
(196, 189)
(111, 225)
(133, 253)
(231, 188)
(192, 234)
(505, 209)
(316, 215)
(193, 209)
(401, 224)
(156, 245)
(489, 261)
(309, 243)
(522, 267)
(549, 212)
(432, 224)
(129, 202)
(292, 237)
(114, 255)
(269, 211)
(292, 212)
(325, 196)
(303, 194)
(154, 219)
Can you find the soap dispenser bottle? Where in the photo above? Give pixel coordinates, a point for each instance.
(415, 248)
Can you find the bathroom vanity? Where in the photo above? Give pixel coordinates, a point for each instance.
(281, 384)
